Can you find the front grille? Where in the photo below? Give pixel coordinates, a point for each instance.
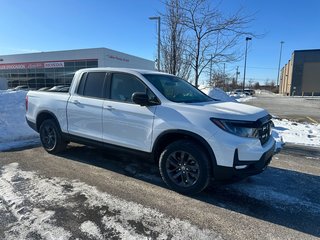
(265, 132)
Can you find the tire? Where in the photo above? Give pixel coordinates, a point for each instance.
(185, 167)
(51, 137)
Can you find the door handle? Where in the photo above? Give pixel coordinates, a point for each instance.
(109, 108)
(76, 102)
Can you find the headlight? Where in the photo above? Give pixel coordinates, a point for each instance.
(239, 128)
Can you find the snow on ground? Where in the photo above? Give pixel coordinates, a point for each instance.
(26, 197)
(219, 94)
(245, 99)
(297, 133)
(14, 130)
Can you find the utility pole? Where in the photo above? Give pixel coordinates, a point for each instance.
(237, 74)
(281, 43)
(211, 69)
(158, 60)
(224, 75)
(245, 63)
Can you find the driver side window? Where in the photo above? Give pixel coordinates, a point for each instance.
(124, 85)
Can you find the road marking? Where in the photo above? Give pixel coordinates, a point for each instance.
(312, 120)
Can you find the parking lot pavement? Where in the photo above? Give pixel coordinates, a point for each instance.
(295, 108)
(87, 193)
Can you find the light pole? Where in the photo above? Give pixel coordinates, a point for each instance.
(282, 42)
(245, 63)
(237, 74)
(210, 69)
(158, 60)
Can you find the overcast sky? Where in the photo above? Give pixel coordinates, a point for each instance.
(123, 25)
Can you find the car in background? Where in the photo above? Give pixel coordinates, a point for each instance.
(21, 87)
(44, 88)
(249, 91)
(64, 89)
(239, 92)
(59, 88)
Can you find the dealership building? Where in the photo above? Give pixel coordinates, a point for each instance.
(43, 69)
(301, 75)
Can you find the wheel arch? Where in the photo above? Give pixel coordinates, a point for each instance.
(44, 115)
(170, 136)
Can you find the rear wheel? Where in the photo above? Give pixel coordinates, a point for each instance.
(185, 167)
(51, 137)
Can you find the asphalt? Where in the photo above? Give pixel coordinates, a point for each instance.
(281, 203)
(300, 109)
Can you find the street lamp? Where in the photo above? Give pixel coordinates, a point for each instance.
(282, 42)
(245, 63)
(158, 61)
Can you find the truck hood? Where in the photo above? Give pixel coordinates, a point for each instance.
(225, 110)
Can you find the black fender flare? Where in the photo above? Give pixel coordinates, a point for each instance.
(176, 134)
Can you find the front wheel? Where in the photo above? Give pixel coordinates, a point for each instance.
(185, 167)
(51, 137)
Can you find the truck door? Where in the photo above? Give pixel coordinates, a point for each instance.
(84, 109)
(125, 123)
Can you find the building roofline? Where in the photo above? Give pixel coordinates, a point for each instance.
(74, 50)
(54, 51)
(307, 50)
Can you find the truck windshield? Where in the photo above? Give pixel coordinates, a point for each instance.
(176, 89)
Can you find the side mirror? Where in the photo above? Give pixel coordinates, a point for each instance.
(141, 98)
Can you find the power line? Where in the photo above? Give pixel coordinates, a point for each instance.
(262, 68)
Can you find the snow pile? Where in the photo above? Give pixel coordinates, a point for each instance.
(240, 97)
(219, 94)
(3, 83)
(245, 98)
(297, 133)
(14, 131)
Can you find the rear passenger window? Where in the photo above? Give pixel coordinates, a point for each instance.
(124, 85)
(92, 85)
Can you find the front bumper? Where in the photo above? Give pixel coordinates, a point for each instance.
(243, 169)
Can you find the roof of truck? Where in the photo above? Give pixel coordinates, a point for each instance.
(127, 70)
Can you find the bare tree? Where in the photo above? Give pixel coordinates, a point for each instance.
(250, 82)
(212, 35)
(256, 85)
(267, 82)
(218, 79)
(175, 58)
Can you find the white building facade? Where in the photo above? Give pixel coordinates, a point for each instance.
(45, 69)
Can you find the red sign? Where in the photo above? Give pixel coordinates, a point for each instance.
(10, 66)
(20, 66)
(54, 65)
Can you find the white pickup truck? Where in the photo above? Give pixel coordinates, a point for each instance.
(192, 137)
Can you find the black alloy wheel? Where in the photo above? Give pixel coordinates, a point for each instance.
(51, 137)
(184, 167)
(48, 137)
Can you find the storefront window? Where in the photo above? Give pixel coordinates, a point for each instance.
(44, 75)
